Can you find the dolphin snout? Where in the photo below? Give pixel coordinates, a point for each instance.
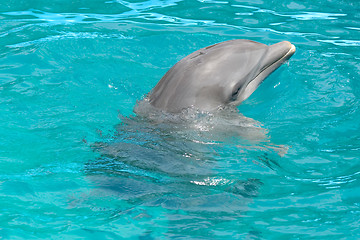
(281, 51)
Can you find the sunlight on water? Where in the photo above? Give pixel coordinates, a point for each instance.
(84, 155)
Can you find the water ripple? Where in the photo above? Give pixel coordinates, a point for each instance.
(69, 35)
(66, 18)
(148, 5)
(343, 42)
(144, 11)
(332, 182)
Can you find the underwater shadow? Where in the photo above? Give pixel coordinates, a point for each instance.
(190, 162)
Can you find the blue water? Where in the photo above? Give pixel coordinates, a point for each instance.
(77, 162)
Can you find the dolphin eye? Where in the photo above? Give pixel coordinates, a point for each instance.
(234, 95)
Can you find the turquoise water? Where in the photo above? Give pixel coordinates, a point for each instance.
(77, 162)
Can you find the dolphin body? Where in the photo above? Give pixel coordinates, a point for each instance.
(223, 74)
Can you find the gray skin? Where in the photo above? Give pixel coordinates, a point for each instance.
(223, 74)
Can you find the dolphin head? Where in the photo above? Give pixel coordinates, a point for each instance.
(223, 74)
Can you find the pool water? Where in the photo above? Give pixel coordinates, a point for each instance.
(78, 162)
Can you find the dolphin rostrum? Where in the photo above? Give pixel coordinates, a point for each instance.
(223, 74)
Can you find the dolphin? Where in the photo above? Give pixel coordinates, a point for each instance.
(222, 74)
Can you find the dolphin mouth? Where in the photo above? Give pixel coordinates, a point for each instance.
(281, 59)
(275, 57)
(288, 54)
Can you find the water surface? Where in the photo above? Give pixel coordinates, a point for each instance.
(76, 161)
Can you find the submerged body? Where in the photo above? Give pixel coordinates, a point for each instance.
(223, 74)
